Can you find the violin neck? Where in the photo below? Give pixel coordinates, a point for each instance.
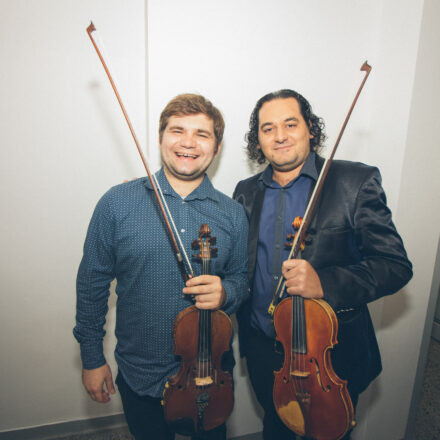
(204, 349)
(299, 339)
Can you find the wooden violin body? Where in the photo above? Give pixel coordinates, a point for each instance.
(200, 397)
(308, 395)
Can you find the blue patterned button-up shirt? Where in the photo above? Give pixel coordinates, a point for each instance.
(127, 240)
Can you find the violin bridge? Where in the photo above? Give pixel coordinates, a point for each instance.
(203, 381)
(301, 374)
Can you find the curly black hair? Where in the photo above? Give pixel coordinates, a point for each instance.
(315, 123)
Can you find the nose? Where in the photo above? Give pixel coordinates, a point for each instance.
(188, 140)
(280, 135)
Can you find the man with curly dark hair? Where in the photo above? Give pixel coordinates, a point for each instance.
(353, 253)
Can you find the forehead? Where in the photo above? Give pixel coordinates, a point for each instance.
(198, 121)
(278, 110)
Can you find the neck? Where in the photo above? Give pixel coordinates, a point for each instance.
(284, 177)
(183, 187)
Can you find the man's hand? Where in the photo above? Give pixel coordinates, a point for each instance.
(208, 291)
(301, 279)
(93, 381)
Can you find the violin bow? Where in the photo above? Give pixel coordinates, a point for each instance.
(301, 234)
(154, 183)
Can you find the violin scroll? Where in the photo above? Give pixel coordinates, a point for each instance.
(204, 243)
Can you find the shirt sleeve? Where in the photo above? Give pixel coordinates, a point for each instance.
(235, 281)
(96, 272)
(383, 267)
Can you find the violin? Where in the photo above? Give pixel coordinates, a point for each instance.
(308, 395)
(199, 397)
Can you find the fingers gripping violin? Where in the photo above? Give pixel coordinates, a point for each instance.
(199, 397)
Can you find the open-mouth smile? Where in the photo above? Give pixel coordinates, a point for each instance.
(186, 155)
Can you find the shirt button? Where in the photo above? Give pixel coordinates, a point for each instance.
(182, 230)
(183, 201)
(277, 246)
(275, 277)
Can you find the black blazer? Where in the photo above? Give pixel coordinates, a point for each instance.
(354, 247)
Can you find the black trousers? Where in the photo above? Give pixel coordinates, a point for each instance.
(263, 356)
(146, 420)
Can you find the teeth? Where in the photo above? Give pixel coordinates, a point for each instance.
(186, 155)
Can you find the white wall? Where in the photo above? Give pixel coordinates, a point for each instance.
(63, 133)
(63, 143)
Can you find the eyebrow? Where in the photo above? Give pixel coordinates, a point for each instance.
(285, 120)
(174, 127)
(208, 132)
(199, 130)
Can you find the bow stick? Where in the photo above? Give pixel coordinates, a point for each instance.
(301, 234)
(154, 183)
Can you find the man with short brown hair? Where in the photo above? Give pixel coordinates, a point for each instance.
(127, 240)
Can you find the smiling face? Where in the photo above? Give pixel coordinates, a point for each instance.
(187, 147)
(283, 136)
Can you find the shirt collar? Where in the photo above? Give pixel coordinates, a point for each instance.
(203, 191)
(308, 169)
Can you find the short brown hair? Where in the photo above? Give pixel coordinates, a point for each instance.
(192, 104)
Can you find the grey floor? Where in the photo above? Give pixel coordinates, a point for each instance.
(427, 420)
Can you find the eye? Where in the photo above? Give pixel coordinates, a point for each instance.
(291, 125)
(267, 130)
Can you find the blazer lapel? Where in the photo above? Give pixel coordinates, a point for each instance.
(319, 163)
(254, 228)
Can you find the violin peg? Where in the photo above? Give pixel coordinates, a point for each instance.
(288, 245)
(297, 222)
(290, 236)
(195, 244)
(212, 240)
(204, 230)
(214, 252)
(197, 256)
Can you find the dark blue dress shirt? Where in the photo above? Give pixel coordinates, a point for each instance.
(280, 207)
(127, 240)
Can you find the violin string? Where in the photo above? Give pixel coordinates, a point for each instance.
(297, 325)
(295, 330)
(202, 317)
(207, 324)
(170, 217)
(205, 314)
(302, 329)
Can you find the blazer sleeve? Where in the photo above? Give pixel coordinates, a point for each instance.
(380, 266)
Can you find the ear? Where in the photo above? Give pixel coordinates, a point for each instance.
(218, 149)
